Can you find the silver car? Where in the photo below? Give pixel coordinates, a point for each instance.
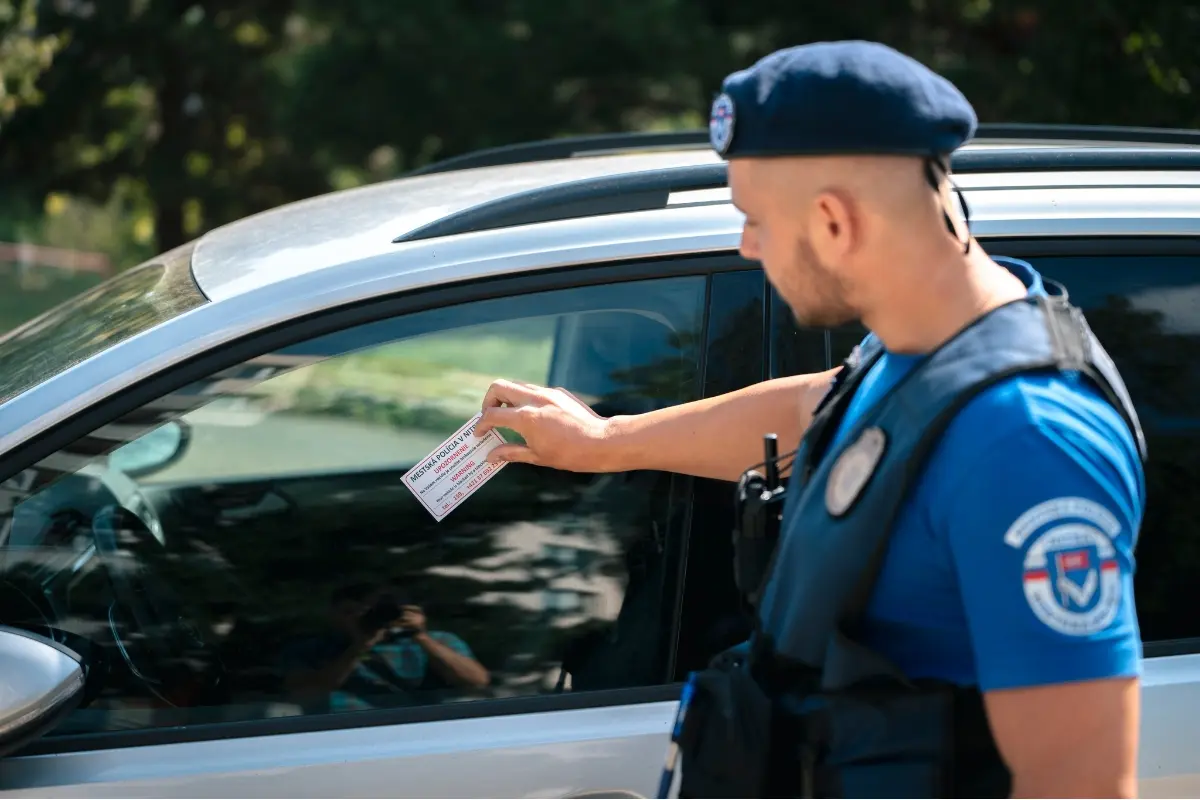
(214, 583)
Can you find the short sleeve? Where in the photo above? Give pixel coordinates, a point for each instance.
(1042, 528)
(453, 641)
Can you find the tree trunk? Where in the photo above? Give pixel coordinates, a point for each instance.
(166, 174)
(168, 220)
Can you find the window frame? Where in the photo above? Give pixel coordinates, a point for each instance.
(231, 355)
(695, 587)
(1051, 246)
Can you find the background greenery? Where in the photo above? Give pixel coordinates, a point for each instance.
(129, 126)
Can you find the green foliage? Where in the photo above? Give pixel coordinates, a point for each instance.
(173, 118)
(412, 82)
(376, 410)
(181, 98)
(24, 55)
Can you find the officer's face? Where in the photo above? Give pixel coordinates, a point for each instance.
(783, 219)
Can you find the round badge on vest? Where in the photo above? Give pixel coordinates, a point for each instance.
(853, 468)
(720, 124)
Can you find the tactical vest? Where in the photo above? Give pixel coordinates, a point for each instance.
(806, 710)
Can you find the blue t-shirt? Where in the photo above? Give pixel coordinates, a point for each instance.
(387, 674)
(1012, 563)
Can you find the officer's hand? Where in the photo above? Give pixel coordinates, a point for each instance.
(559, 430)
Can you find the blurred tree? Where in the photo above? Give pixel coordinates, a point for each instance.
(223, 108)
(412, 82)
(178, 95)
(1113, 62)
(24, 55)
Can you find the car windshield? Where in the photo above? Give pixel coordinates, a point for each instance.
(123, 306)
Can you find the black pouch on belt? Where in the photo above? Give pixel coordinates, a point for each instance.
(724, 742)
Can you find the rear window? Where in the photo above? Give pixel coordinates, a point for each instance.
(123, 306)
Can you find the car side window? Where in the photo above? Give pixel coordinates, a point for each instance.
(795, 349)
(258, 556)
(1144, 310)
(802, 349)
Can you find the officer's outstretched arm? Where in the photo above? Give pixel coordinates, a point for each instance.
(718, 437)
(1041, 527)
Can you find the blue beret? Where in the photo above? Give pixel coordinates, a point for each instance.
(839, 98)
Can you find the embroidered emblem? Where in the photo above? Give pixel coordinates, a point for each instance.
(1071, 576)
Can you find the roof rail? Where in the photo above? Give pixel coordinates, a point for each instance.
(652, 189)
(1092, 134)
(570, 147)
(609, 194)
(1018, 159)
(605, 144)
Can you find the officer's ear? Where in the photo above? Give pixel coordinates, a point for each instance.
(835, 226)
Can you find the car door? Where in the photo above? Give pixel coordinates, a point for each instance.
(268, 611)
(1142, 299)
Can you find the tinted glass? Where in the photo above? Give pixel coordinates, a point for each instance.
(1146, 312)
(117, 309)
(795, 349)
(713, 617)
(260, 557)
(843, 339)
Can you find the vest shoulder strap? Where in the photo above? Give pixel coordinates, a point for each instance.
(1076, 349)
(829, 412)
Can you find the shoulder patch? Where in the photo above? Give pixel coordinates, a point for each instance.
(1071, 576)
(853, 468)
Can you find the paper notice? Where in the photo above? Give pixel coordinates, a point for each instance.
(454, 470)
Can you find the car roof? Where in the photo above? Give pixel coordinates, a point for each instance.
(349, 225)
(354, 223)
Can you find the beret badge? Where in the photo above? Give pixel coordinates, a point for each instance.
(720, 123)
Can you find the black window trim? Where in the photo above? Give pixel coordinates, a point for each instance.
(683, 488)
(270, 339)
(687, 483)
(1084, 246)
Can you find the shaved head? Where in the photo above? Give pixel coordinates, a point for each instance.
(883, 185)
(827, 229)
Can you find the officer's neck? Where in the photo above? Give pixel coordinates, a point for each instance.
(928, 304)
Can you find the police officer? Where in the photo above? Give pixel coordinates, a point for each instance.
(950, 610)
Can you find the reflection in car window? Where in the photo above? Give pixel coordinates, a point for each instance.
(117, 309)
(269, 562)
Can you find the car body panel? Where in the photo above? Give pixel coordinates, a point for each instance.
(329, 227)
(552, 754)
(1167, 762)
(569, 751)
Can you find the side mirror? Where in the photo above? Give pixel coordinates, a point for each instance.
(152, 451)
(40, 683)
